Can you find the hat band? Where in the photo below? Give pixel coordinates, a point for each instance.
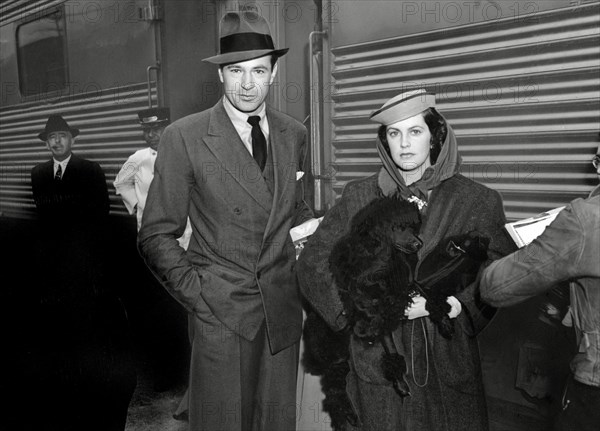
(245, 42)
(409, 107)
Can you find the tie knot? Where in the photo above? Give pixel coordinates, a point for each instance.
(254, 120)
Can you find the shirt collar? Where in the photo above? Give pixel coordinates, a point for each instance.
(64, 163)
(239, 118)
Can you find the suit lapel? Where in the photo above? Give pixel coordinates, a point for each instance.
(71, 170)
(47, 171)
(227, 147)
(283, 156)
(281, 146)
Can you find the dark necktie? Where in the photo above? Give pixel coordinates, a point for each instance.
(259, 143)
(58, 174)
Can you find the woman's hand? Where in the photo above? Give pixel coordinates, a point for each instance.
(417, 308)
(456, 307)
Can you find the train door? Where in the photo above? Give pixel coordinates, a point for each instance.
(188, 32)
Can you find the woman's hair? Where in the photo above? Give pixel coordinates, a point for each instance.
(437, 128)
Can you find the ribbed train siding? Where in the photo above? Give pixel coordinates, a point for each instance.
(14, 10)
(522, 94)
(109, 133)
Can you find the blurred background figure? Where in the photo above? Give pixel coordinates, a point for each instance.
(567, 250)
(78, 362)
(134, 178)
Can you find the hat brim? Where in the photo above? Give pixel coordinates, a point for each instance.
(44, 136)
(234, 57)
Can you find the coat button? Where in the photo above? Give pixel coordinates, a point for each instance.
(237, 211)
(258, 274)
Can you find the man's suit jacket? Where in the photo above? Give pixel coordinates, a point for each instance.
(80, 196)
(241, 258)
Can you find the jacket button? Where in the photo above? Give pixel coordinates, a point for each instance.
(258, 274)
(237, 211)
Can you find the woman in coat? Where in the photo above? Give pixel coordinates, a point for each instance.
(421, 163)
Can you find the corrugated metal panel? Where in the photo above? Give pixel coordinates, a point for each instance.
(523, 96)
(14, 10)
(109, 134)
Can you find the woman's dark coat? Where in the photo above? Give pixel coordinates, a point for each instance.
(446, 383)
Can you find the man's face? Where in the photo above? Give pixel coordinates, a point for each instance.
(152, 135)
(246, 84)
(60, 143)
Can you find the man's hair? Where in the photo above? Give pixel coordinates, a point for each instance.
(437, 127)
(274, 59)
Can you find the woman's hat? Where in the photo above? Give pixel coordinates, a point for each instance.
(403, 106)
(244, 36)
(154, 116)
(56, 123)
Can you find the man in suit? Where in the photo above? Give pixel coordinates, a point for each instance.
(236, 170)
(67, 187)
(79, 361)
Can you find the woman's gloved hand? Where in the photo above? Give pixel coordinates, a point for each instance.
(417, 308)
(456, 307)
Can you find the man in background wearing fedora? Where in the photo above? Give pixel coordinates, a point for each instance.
(80, 365)
(158, 321)
(67, 188)
(237, 170)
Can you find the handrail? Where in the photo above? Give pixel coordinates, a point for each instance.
(315, 122)
(148, 69)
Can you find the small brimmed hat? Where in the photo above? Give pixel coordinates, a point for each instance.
(403, 106)
(56, 123)
(154, 116)
(244, 36)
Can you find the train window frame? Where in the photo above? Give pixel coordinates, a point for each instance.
(48, 92)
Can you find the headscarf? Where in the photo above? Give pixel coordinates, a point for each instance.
(447, 165)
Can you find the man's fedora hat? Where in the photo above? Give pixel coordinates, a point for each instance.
(154, 116)
(403, 106)
(56, 123)
(244, 36)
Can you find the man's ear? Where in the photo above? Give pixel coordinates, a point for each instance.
(220, 75)
(273, 74)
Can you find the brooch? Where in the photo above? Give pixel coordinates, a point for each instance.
(419, 202)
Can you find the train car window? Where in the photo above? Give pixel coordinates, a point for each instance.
(41, 50)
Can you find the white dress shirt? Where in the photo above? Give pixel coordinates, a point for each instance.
(240, 122)
(63, 165)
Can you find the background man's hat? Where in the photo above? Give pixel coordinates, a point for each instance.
(154, 116)
(403, 106)
(244, 36)
(56, 123)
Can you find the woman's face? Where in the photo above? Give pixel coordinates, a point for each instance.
(409, 141)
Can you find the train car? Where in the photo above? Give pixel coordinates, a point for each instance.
(519, 81)
(96, 63)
